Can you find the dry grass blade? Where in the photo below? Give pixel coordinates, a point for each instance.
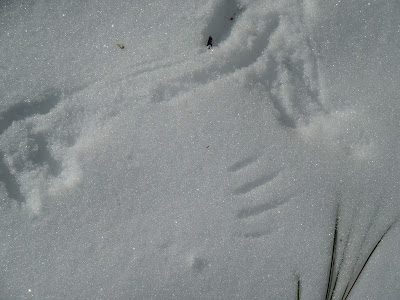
(333, 257)
(298, 288)
(346, 295)
(339, 268)
(330, 290)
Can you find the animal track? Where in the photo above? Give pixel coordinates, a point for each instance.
(39, 154)
(36, 152)
(279, 41)
(219, 25)
(241, 164)
(251, 226)
(23, 110)
(241, 52)
(33, 154)
(259, 209)
(10, 182)
(294, 94)
(249, 186)
(259, 220)
(291, 74)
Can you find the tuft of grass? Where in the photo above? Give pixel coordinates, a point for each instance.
(332, 279)
(330, 290)
(346, 295)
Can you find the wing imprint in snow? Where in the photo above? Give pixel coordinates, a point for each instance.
(259, 208)
(249, 186)
(290, 73)
(242, 164)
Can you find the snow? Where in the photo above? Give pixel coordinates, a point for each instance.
(168, 171)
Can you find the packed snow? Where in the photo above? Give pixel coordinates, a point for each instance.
(166, 170)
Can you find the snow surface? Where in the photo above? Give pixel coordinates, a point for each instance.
(167, 171)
